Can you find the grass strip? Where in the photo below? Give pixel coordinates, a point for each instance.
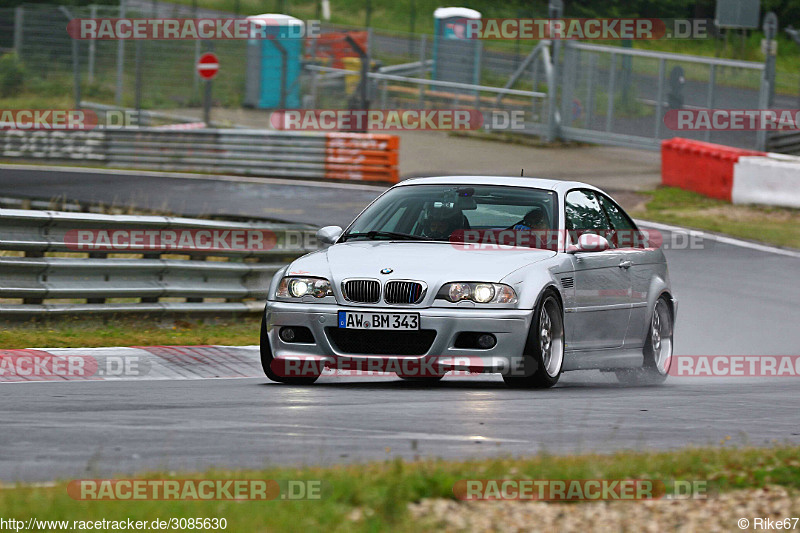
(82, 333)
(375, 496)
(772, 225)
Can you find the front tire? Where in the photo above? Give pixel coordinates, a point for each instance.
(543, 357)
(657, 350)
(267, 359)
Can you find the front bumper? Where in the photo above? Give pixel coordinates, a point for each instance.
(509, 326)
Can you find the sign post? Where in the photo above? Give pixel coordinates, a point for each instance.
(207, 68)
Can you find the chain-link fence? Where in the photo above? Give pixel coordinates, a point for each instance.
(612, 94)
(584, 92)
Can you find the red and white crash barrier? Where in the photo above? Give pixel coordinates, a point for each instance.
(770, 180)
(733, 174)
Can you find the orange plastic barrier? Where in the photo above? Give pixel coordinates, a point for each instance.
(334, 47)
(700, 166)
(362, 156)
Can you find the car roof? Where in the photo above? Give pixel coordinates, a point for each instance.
(521, 181)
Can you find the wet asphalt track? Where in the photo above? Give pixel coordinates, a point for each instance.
(733, 300)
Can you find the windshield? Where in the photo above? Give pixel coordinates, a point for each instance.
(446, 212)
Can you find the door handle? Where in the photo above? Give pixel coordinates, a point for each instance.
(625, 264)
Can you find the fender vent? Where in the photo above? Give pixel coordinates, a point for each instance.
(568, 282)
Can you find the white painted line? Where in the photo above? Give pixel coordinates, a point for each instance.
(723, 239)
(202, 177)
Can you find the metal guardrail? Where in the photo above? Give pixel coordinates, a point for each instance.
(291, 154)
(191, 279)
(785, 142)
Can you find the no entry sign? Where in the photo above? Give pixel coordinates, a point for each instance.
(208, 66)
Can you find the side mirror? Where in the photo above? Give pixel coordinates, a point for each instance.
(329, 234)
(590, 242)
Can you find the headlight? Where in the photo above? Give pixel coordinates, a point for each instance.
(483, 293)
(295, 287)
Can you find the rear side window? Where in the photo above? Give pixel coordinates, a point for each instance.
(624, 233)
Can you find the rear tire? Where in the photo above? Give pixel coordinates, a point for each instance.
(267, 359)
(544, 349)
(657, 350)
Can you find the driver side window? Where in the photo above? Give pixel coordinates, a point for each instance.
(584, 215)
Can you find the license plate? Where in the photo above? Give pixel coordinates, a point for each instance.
(358, 320)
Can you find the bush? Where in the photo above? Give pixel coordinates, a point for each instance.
(12, 76)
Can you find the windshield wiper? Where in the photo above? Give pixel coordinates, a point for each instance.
(391, 234)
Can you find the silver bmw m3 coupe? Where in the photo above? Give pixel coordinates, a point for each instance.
(524, 277)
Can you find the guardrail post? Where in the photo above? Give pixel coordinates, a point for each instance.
(97, 255)
(152, 300)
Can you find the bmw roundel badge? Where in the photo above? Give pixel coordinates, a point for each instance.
(386, 271)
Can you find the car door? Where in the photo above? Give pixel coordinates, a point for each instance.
(601, 312)
(629, 241)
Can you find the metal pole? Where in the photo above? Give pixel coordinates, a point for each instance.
(794, 34)
(19, 22)
(412, 23)
(662, 66)
(138, 82)
(207, 96)
(770, 29)
(422, 74)
(568, 77)
(712, 77)
(120, 59)
(207, 104)
(76, 62)
(610, 107)
(76, 69)
(553, 125)
(313, 89)
(362, 54)
(92, 43)
(590, 90)
(196, 76)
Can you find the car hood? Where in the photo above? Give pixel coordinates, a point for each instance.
(432, 262)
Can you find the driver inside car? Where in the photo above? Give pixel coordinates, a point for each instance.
(440, 226)
(533, 220)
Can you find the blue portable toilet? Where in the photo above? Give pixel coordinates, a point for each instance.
(265, 74)
(456, 56)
